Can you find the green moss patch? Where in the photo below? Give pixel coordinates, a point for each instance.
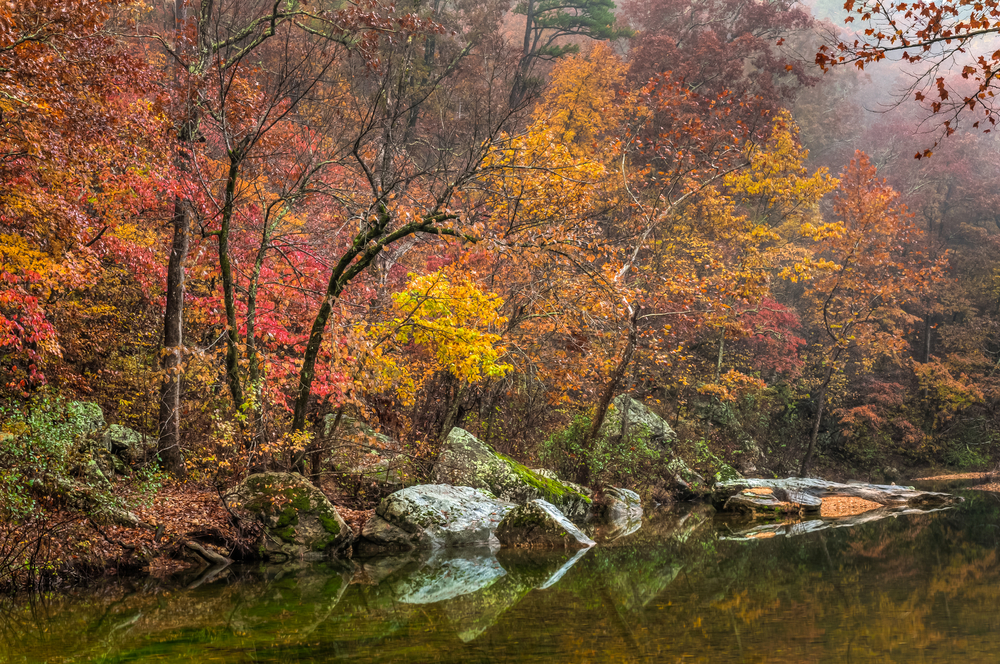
(549, 487)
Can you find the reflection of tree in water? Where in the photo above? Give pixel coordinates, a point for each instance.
(911, 589)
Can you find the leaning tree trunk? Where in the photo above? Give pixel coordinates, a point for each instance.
(229, 284)
(616, 378)
(820, 403)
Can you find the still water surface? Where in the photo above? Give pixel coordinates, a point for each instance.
(913, 589)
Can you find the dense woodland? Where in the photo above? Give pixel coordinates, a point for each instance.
(243, 227)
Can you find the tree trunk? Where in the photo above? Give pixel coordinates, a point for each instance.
(520, 85)
(229, 288)
(451, 417)
(820, 402)
(616, 378)
(169, 444)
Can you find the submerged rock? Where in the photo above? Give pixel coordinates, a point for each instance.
(539, 523)
(467, 461)
(433, 516)
(300, 523)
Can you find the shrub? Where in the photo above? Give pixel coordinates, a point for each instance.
(615, 460)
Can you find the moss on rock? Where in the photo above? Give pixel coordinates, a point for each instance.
(467, 461)
(299, 520)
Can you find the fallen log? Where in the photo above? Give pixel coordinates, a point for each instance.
(798, 494)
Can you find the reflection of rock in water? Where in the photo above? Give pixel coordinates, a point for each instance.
(632, 577)
(446, 575)
(537, 568)
(471, 587)
(630, 571)
(314, 589)
(617, 529)
(471, 615)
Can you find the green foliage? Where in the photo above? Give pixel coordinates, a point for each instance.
(615, 460)
(966, 456)
(35, 440)
(588, 18)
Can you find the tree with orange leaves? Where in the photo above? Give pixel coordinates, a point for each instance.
(875, 268)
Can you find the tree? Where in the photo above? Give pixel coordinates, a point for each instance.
(548, 24)
(82, 161)
(257, 105)
(411, 172)
(718, 46)
(874, 266)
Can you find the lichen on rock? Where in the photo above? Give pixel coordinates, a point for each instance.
(433, 516)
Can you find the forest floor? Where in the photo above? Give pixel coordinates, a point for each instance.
(76, 548)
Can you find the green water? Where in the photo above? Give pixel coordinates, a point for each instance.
(912, 589)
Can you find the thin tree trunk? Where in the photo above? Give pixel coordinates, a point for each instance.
(451, 416)
(820, 403)
(229, 288)
(616, 378)
(520, 85)
(168, 446)
(927, 338)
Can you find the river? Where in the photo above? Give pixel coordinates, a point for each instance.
(912, 589)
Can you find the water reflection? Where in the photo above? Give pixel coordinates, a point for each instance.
(917, 588)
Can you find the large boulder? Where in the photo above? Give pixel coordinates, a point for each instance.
(538, 523)
(300, 523)
(432, 516)
(88, 459)
(467, 461)
(129, 445)
(628, 416)
(368, 456)
(389, 473)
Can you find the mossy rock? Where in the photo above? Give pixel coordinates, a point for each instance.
(86, 417)
(300, 523)
(128, 444)
(630, 415)
(726, 473)
(467, 461)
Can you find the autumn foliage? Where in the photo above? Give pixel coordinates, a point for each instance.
(369, 214)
